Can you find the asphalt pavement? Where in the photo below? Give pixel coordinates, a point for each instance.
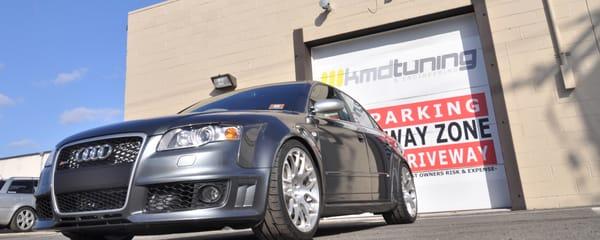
(576, 223)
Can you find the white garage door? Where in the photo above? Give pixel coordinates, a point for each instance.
(427, 86)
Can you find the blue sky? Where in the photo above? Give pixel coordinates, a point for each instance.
(62, 69)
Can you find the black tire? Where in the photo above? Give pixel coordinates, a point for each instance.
(277, 223)
(400, 214)
(90, 236)
(18, 227)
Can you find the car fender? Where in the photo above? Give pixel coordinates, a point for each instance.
(261, 142)
(5, 220)
(303, 135)
(310, 142)
(267, 138)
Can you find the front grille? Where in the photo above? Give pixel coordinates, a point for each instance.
(91, 200)
(180, 196)
(125, 151)
(44, 208)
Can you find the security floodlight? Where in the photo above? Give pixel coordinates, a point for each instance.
(224, 81)
(325, 5)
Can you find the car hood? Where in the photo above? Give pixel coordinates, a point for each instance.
(157, 126)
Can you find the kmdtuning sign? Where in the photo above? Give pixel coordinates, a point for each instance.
(428, 88)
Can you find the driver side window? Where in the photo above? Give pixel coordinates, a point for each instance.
(321, 92)
(360, 115)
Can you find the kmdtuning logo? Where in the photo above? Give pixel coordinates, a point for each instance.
(465, 60)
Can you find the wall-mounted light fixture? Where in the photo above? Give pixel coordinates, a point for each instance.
(224, 81)
(325, 5)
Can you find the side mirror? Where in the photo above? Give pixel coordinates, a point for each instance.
(328, 106)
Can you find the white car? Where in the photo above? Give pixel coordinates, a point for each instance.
(17, 203)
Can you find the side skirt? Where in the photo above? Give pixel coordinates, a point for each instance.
(339, 209)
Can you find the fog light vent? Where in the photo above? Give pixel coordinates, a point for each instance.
(245, 195)
(185, 196)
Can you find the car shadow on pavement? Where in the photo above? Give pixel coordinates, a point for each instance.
(229, 235)
(325, 229)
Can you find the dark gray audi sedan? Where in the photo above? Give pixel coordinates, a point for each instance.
(273, 158)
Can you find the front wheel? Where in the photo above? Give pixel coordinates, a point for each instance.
(405, 194)
(294, 197)
(23, 220)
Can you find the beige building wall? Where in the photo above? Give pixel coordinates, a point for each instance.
(176, 46)
(556, 133)
(23, 166)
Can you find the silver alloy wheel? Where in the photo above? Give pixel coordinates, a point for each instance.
(408, 192)
(25, 219)
(301, 191)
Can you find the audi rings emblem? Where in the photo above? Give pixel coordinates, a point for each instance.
(93, 153)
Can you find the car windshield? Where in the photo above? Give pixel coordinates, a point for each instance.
(2, 183)
(291, 97)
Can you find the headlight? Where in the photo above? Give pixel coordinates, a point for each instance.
(49, 160)
(197, 136)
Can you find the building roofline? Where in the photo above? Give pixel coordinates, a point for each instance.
(24, 155)
(151, 6)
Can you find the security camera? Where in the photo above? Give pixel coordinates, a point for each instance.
(325, 5)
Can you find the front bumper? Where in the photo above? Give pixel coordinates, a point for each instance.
(243, 203)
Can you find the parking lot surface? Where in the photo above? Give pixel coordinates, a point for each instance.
(577, 223)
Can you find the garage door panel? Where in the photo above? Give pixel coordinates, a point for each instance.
(427, 86)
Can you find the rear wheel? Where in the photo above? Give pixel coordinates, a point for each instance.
(23, 220)
(294, 196)
(406, 196)
(90, 236)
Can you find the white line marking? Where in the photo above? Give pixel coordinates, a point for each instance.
(596, 210)
(27, 234)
